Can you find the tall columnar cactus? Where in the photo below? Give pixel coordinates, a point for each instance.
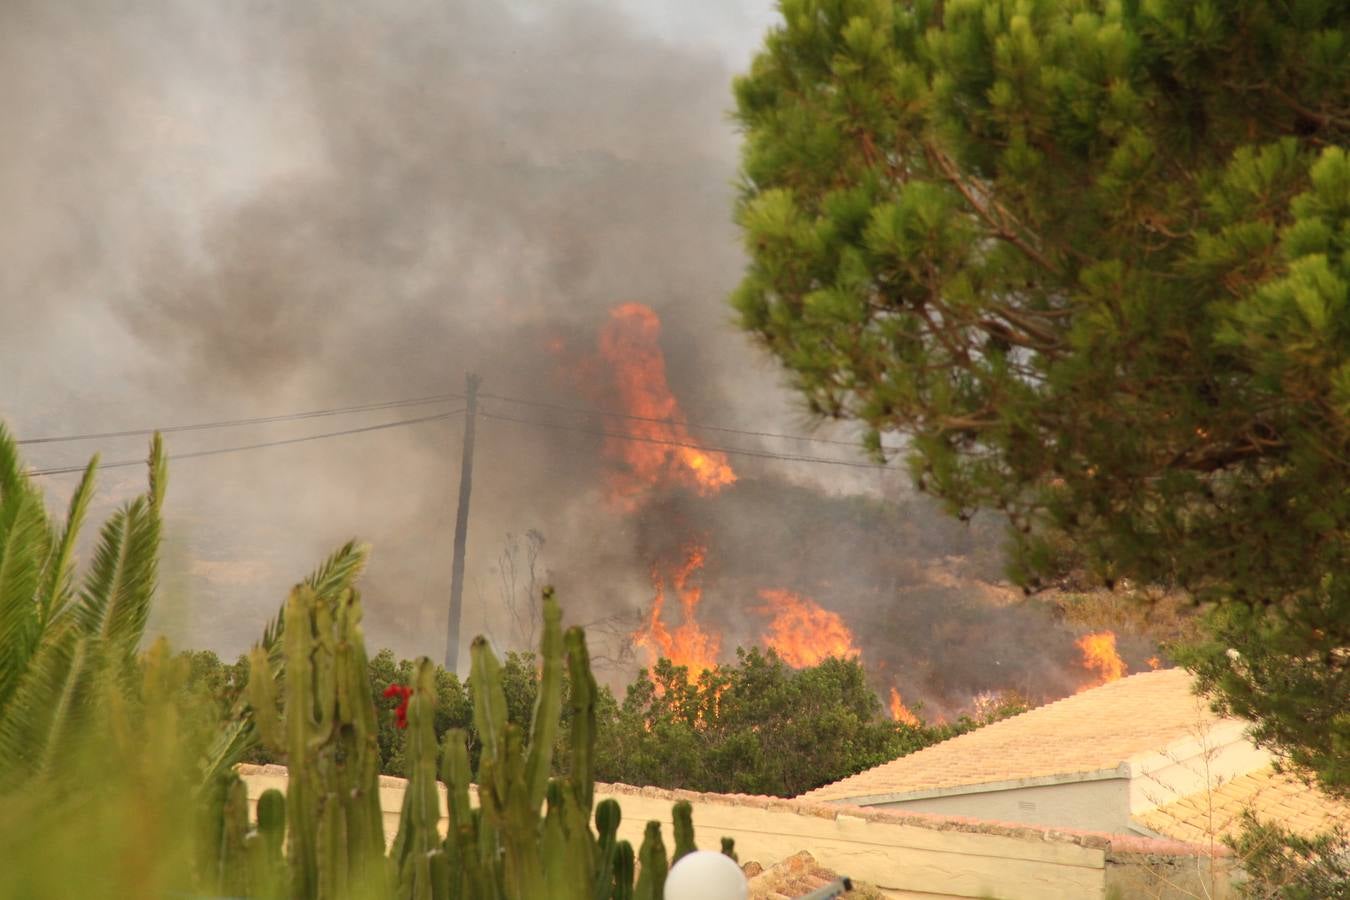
(529, 836)
(336, 845)
(418, 856)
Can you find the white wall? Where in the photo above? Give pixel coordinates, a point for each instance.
(1102, 805)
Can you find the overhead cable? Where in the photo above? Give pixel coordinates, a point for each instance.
(629, 436)
(665, 421)
(64, 470)
(258, 420)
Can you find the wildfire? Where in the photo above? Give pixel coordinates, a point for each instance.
(664, 453)
(900, 712)
(1100, 656)
(802, 632)
(688, 645)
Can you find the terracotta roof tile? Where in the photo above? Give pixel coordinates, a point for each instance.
(1091, 731)
(1269, 794)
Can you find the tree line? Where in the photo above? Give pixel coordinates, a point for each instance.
(756, 726)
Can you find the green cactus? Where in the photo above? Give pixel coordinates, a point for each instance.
(607, 818)
(234, 868)
(651, 884)
(336, 841)
(266, 862)
(418, 855)
(529, 837)
(683, 815)
(623, 871)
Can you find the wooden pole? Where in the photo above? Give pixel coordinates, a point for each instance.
(461, 527)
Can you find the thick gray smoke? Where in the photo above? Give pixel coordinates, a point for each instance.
(304, 205)
(244, 209)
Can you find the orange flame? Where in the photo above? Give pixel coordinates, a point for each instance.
(664, 453)
(1100, 656)
(688, 645)
(803, 632)
(900, 712)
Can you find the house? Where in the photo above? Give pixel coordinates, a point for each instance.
(1142, 755)
(902, 854)
(1120, 791)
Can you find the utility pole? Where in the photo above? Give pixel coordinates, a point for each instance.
(461, 527)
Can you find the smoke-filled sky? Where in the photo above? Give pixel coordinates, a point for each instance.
(217, 211)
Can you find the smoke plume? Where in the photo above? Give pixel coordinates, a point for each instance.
(246, 209)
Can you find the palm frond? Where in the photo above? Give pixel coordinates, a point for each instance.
(115, 604)
(56, 591)
(334, 575)
(103, 582)
(12, 478)
(337, 572)
(236, 736)
(48, 703)
(25, 542)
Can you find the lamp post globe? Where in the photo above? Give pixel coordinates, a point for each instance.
(706, 875)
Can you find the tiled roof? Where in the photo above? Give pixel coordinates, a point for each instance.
(1283, 799)
(1095, 730)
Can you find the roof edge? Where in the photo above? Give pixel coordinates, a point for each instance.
(984, 787)
(1218, 737)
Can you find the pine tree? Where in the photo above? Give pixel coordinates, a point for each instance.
(1093, 259)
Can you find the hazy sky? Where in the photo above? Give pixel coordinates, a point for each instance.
(225, 210)
(231, 210)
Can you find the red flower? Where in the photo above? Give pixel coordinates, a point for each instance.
(401, 713)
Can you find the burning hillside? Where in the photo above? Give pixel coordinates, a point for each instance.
(802, 631)
(1101, 658)
(688, 644)
(737, 562)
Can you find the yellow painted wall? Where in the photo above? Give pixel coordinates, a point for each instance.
(906, 857)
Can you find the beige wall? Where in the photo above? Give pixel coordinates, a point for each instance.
(1102, 805)
(894, 855)
(905, 855)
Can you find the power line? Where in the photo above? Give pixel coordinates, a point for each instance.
(621, 415)
(629, 436)
(64, 470)
(420, 401)
(259, 420)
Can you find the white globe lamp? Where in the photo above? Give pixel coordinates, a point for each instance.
(706, 875)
